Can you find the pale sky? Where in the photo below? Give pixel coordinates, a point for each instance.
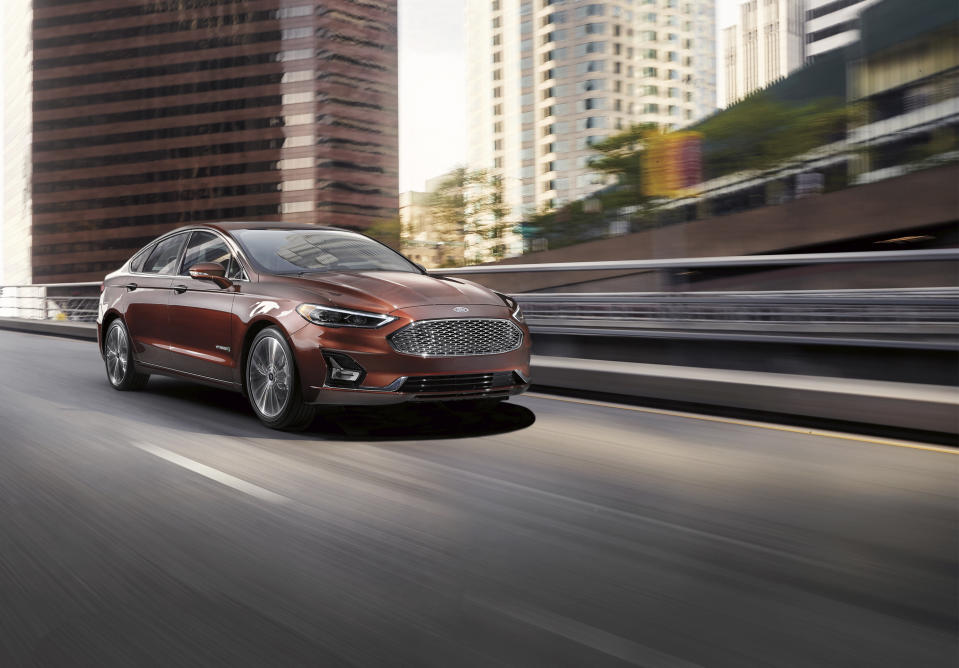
(432, 40)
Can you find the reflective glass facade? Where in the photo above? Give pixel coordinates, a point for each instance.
(149, 114)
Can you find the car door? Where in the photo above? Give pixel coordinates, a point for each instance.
(148, 293)
(201, 312)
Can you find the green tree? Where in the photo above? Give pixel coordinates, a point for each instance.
(761, 132)
(469, 202)
(621, 155)
(447, 206)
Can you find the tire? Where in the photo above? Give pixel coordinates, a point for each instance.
(118, 358)
(272, 383)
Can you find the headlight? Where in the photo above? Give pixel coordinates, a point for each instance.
(341, 317)
(513, 306)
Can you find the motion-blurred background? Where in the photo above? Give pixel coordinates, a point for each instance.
(733, 228)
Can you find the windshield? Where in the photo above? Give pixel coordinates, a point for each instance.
(299, 251)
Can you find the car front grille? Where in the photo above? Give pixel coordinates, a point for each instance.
(457, 337)
(479, 383)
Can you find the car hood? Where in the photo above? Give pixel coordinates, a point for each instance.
(386, 291)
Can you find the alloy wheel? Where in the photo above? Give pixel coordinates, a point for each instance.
(269, 377)
(117, 354)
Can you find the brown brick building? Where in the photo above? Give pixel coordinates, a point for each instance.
(150, 114)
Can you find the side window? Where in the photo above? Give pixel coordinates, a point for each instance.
(162, 260)
(208, 247)
(136, 264)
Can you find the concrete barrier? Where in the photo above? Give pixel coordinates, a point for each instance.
(73, 330)
(884, 403)
(913, 406)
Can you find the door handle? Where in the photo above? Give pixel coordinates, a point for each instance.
(131, 286)
(179, 289)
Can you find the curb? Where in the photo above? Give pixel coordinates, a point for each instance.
(73, 330)
(913, 406)
(930, 408)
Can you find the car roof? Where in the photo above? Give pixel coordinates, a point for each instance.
(267, 225)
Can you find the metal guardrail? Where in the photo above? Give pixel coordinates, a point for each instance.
(928, 311)
(75, 302)
(729, 262)
(907, 311)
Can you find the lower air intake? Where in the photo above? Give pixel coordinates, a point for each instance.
(471, 382)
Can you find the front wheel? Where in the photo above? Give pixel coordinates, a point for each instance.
(272, 384)
(118, 357)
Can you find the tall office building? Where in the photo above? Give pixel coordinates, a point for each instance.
(150, 115)
(548, 79)
(765, 46)
(832, 24)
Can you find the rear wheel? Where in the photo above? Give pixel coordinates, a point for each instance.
(118, 357)
(272, 383)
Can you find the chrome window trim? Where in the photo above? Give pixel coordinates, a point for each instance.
(232, 245)
(152, 245)
(226, 242)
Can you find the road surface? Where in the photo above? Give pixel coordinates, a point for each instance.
(167, 527)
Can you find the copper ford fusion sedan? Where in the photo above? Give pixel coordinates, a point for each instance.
(295, 316)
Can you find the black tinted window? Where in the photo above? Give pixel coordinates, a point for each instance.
(295, 251)
(208, 247)
(136, 264)
(164, 256)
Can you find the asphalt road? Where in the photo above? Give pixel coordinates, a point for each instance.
(168, 528)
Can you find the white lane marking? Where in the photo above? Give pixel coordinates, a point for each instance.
(214, 474)
(584, 634)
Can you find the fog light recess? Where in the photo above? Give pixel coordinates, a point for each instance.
(343, 370)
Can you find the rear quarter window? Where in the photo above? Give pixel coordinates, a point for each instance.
(136, 264)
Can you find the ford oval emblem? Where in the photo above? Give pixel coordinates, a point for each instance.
(461, 309)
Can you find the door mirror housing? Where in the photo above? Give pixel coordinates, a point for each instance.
(211, 271)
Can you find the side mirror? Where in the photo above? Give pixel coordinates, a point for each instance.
(211, 271)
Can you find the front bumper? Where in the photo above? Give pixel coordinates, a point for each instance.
(367, 396)
(389, 375)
